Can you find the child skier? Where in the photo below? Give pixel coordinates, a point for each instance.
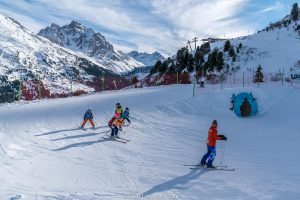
(88, 116)
(126, 115)
(119, 110)
(212, 137)
(114, 124)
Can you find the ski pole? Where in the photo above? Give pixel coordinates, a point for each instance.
(221, 154)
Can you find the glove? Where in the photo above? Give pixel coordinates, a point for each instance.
(224, 138)
(221, 136)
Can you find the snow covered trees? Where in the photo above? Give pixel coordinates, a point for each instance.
(8, 90)
(198, 57)
(258, 75)
(230, 49)
(205, 48)
(215, 61)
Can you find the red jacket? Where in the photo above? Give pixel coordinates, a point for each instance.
(212, 136)
(115, 121)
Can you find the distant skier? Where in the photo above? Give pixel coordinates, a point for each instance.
(126, 115)
(245, 108)
(212, 138)
(88, 116)
(114, 124)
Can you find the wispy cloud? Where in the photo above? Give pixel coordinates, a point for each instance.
(277, 5)
(143, 25)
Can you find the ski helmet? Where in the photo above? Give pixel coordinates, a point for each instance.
(215, 122)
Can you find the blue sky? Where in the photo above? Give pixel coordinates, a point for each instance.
(151, 25)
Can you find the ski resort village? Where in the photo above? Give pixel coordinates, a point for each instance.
(149, 100)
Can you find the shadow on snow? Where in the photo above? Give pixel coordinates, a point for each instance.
(81, 144)
(176, 183)
(80, 136)
(67, 130)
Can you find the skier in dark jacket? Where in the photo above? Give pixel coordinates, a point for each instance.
(245, 108)
(212, 138)
(88, 116)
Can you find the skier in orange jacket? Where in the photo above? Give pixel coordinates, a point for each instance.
(212, 138)
(115, 124)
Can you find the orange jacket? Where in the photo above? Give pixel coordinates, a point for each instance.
(117, 122)
(212, 136)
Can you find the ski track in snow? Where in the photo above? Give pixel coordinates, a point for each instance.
(45, 156)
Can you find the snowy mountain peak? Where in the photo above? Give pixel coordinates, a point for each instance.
(25, 56)
(77, 37)
(146, 58)
(80, 38)
(54, 26)
(75, 24)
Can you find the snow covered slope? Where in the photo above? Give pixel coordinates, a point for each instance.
(275, 48)
(79, 38)
(26, 56)
(44, 156)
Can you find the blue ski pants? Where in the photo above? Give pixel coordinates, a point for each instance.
(209, 157)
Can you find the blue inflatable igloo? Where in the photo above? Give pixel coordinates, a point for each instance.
(238, 101)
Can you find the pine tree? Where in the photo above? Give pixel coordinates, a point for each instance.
(163, 68)
(231, 52)
(212, 60)
(182, 58)
(198, 57)
(233, 58)
(172, 68)
(240, 45)
(258, 75)
(205, 48)
(156, 67)
(220, 61)
(190, 63)
(227, 46)
(295, 12)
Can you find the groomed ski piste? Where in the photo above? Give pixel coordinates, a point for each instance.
(44, 156)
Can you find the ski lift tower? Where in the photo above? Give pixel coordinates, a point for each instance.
(195, 40)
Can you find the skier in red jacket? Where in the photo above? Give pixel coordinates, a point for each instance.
(212, 138)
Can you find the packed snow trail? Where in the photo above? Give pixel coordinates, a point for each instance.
(43, 154)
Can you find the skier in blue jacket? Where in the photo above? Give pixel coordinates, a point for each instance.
(126, 115)
(88, 116)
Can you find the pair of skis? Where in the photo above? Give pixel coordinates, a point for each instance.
(218, 167)
(117, 139)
